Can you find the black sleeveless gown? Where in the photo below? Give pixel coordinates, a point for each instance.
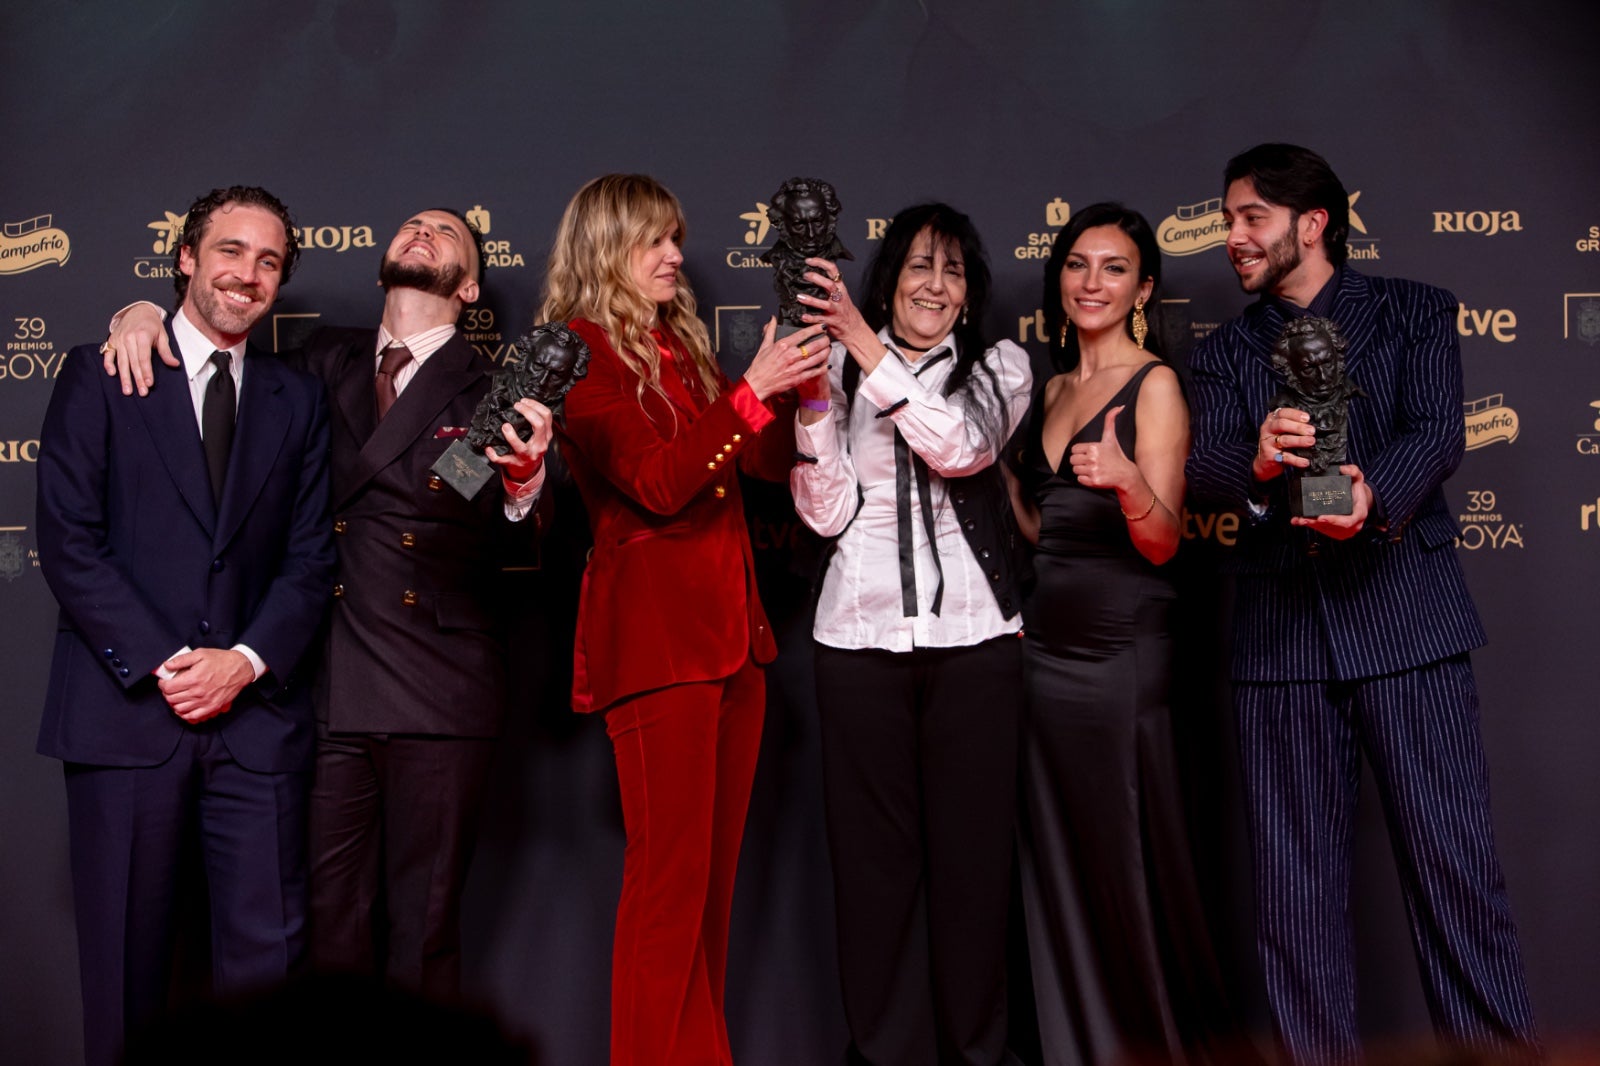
(1122, 964)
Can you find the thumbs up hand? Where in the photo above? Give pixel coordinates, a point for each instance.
(1102, 464)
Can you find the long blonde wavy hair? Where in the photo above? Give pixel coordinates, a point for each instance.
(589, 276)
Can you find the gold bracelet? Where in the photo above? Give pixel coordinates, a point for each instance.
(1147, 510)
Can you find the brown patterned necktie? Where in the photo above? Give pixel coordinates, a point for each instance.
(395, 357)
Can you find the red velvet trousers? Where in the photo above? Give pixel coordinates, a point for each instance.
(686, 756)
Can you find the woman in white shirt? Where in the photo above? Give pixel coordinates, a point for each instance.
(917, 659)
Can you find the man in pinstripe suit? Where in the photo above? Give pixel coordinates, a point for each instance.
(1352, 631)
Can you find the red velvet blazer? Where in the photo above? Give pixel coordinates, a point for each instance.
(669, 594)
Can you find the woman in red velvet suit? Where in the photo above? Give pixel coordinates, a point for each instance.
(670, 630)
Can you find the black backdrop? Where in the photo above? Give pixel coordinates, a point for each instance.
(1466, 133)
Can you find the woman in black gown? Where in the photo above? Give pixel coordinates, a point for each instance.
(1122, 965)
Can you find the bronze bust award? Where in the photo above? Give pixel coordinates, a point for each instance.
(1310, 355)
(551, 359)
(805, 212)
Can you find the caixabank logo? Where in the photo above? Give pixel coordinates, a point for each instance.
(1490, 421)
(1580, 317)
(746, 255)
(30, 355)
(169, 234)
(1589, 439)
(16, 557)
(31, 243)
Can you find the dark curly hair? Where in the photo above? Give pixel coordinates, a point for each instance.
(198, 221)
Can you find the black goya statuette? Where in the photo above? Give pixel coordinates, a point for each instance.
(550, 359)
(805, 212)
(1310, 355)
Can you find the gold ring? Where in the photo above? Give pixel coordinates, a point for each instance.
(1277, 440)
(803, 353)
(836, 278)
(105, 349)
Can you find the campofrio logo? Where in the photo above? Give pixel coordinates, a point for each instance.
(32, 243)
(1490, 421)
(1193, 228)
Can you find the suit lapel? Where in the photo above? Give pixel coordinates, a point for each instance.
(442, 377)
(1356, 313)
(168, 413)
(354, 387)
(262, 425)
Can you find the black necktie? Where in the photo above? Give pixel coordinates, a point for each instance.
(216, 420)
(909, 466)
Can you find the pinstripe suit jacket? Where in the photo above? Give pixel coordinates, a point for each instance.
(1379, 602)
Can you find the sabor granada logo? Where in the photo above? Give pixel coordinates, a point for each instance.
(1490, 421)
(169, 232)
(497, 253)
(31, 243)
(1039, 245)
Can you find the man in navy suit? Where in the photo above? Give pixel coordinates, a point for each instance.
(187, 541)
(411, 690)
(1351, 632)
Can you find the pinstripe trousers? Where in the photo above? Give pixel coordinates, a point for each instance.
(1301, 744)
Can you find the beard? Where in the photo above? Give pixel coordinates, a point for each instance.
(224, 317)
(1283, 255)
(435, 281)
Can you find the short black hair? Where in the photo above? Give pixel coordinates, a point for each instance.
(477, 238)
(1301, 180)
(198, 220)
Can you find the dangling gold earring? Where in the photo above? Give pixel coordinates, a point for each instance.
(1141, 328)
(963, 314)
(1063, 333)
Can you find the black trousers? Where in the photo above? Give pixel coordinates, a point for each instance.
(393, 821)
(919, 755)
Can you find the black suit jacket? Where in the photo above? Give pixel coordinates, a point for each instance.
(1382, 601)
(143, 562)
(415, 641)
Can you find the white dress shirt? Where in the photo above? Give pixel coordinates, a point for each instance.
(195, 349)
(860, 605)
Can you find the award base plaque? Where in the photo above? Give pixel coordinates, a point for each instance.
(466, 470)
(1312, 495)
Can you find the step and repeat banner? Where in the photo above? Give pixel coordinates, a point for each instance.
(1464, 132)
